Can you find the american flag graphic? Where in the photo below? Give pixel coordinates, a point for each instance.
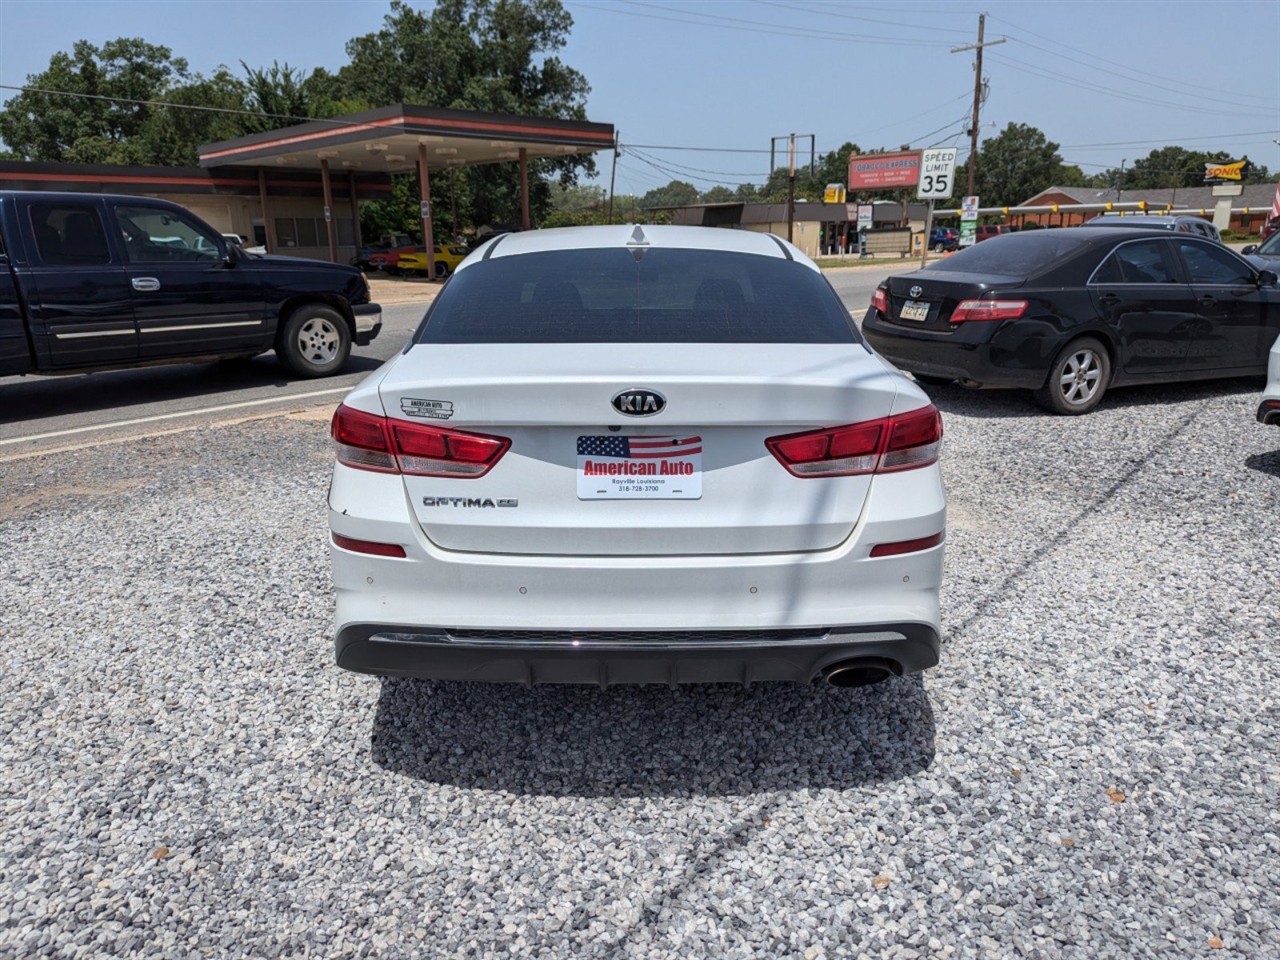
(638, 448)
(1275, 204)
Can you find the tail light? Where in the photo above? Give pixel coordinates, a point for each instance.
(901, 442)
(899, 547)
(368, 546)
(880, 300)
(369, 442)
(988, 310)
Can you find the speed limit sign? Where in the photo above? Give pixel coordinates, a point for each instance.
(937, 174)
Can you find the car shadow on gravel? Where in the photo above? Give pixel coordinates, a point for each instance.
(1265, 462)
(1005, 404)
(630, 741)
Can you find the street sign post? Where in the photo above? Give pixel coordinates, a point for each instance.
(937, 174)
(968, 221)
(937, 182)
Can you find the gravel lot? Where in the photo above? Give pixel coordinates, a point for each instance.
(1090, 773)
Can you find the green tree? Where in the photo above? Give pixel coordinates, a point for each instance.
(677, 193)
(172, 135)
(1016, 164)
(718, 194)
(44, 126)
(488, 55)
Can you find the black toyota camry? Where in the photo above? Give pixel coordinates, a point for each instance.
(1072, 313)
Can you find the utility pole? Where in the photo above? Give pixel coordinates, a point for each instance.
(791, 172)
(977, 97)
(1120, 182)
(613, 174)
(791, 190)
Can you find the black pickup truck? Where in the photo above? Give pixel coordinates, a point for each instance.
(91, 282)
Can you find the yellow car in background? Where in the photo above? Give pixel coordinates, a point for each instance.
(447, 259)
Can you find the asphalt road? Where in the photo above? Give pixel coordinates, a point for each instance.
(43, 414)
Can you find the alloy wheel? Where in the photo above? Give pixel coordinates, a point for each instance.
(318, 340)
(1081, 377)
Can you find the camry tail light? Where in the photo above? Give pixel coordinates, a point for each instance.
(369, 442)
(901, 442)
(880, 300)
(988, 310)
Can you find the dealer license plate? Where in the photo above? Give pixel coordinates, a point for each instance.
(915, 310)
(615, 467)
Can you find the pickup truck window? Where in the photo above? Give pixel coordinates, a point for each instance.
(161, 235)
(69, 233)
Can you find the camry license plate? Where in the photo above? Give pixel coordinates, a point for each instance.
(615, 467)
(915, 310)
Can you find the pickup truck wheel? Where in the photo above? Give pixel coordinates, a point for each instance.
(315, 342)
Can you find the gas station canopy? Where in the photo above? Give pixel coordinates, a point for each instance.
(388, 140)
(403, 139)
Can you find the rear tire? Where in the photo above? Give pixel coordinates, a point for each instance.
(442, 270)
(938, 248)
(315, 341)
(1078, 378)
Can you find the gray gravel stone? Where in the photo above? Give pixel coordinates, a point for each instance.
(1111, 611)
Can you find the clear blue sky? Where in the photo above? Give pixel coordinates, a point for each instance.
(1107, 80)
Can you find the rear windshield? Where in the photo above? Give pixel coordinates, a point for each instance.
(1012, 254)
(642, 296)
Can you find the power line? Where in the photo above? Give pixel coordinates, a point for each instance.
(1038, 70)
(1093, 55)
(753, 26)
(1171, 141)
(652, 146)
(851, 16)
(179, 106)
(1235, 101)
(679, 166)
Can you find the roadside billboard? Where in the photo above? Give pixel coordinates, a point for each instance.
(1226, 171)
(881, 171)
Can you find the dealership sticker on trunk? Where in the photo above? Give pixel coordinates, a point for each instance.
(639, 468)
(430, 409)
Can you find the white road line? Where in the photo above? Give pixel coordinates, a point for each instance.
(171, 416)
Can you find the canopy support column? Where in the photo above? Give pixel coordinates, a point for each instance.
(329, 225)
(268, 233)
(424, 196)
(355, 208)
(526, 222)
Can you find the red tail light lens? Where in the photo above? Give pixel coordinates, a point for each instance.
(988, 310)
(368, 546)
(880, 300)
(901, 442)
(906, 546)
(369, 442)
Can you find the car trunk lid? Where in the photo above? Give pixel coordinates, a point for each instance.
(726, 493)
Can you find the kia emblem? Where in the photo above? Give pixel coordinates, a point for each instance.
(639, 403)
(915, 291)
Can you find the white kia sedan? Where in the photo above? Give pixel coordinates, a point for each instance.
(637, 455)
(1269, 409)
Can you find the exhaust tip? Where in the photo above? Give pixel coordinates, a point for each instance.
(860, 672)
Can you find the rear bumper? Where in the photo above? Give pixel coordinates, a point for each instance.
(446, 614)
(1269, 412)
(583, 657)
(368, 322)
(1003, 359)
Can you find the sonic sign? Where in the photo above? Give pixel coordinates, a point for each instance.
(1231, 171)
(884, 171)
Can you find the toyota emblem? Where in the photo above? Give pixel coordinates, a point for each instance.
(915, 291)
